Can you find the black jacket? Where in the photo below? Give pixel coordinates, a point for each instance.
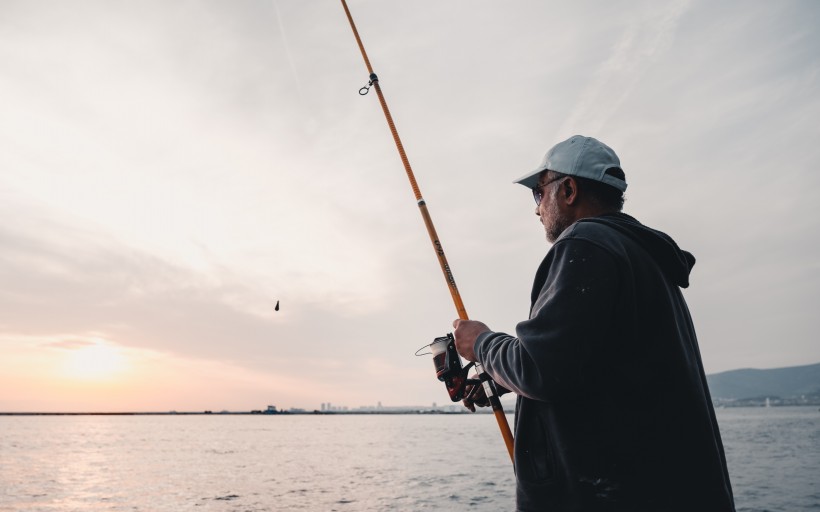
(613, 411)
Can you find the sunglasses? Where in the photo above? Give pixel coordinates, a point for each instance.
(538, 190)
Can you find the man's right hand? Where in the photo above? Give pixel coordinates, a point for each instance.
(465, 333)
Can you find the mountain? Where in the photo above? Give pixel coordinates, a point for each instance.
(785, 383)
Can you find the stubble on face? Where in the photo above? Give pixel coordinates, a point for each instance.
(555, 221)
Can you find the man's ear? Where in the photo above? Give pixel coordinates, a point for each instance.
(569, 189)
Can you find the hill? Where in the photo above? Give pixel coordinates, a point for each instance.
(794, 384)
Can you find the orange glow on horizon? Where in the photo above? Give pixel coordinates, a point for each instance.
(88, 372)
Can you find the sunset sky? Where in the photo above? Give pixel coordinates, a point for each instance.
(169, 170)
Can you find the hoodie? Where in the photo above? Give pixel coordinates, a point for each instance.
(613, 410)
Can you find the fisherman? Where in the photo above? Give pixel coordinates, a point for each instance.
(613, 410)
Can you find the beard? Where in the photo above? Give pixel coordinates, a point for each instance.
(556, 221)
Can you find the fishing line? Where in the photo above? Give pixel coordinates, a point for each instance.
(488, 385)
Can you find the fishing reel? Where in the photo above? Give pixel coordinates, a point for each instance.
(449, 369)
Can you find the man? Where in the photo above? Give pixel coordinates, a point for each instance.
(613, 410)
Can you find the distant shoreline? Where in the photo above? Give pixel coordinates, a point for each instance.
(327, 413)
(243, 413)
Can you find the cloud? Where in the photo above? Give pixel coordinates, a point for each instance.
(70, 343)
(642, 44)
(66, 284)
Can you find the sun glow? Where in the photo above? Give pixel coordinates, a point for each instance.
(97, 361)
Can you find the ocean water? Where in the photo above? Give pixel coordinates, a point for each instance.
(773, 455)
(339, 463)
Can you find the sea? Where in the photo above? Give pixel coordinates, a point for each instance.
(341, 462)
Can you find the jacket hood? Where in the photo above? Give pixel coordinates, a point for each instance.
(675, 262)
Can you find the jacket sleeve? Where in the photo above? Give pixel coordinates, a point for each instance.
(557, 351)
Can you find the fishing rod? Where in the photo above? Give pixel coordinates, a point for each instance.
(445, 357)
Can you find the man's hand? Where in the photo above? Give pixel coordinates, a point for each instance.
(479, 398)
(465, 333)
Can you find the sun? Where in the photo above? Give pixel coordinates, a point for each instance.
(97, 361)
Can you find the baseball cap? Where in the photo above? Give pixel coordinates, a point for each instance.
(580, 156)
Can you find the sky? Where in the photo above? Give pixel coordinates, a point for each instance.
(171, 170)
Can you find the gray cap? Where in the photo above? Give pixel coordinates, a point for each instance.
(580, 156)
